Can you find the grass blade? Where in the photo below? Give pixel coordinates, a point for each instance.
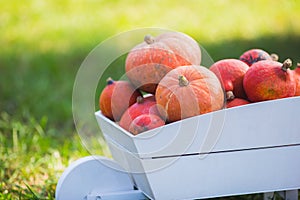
(34, 196)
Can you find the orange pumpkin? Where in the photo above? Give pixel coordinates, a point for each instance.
(116, 97)
(148, 62)
(268, 80)
(189, 91)
(143, 105)
(231, 73)
(145, 122)
(236, 102)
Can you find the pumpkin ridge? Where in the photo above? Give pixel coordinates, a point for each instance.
(168, 101)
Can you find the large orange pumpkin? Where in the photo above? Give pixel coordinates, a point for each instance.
(189, 91)
(148, 62)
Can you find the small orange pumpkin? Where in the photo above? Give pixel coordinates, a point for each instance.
(231, 73)
(189, 91)
(145, 122)
(236, 102)
(269, 80)
(116, 97)
(143, 105)
(148, 62)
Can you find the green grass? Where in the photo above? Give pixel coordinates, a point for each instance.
(43, 44)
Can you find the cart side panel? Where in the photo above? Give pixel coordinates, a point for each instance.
(226, 174)
(254, 125)
(264, 124)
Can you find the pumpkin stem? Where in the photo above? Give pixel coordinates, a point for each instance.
(274, 57)
(109, 81)
(139, 99)
(286, 64)
(229, 95)
(182, 81)
(149, 39)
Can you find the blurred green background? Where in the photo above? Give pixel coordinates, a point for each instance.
(43, 44)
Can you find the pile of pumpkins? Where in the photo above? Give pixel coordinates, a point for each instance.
(166, 83)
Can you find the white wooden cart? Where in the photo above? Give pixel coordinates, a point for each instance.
(242, 150)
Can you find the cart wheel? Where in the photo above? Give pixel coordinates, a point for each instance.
(92, 174)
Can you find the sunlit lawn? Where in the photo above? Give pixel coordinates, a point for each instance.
(43, 44)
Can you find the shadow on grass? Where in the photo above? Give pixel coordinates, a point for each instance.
(286, 46)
